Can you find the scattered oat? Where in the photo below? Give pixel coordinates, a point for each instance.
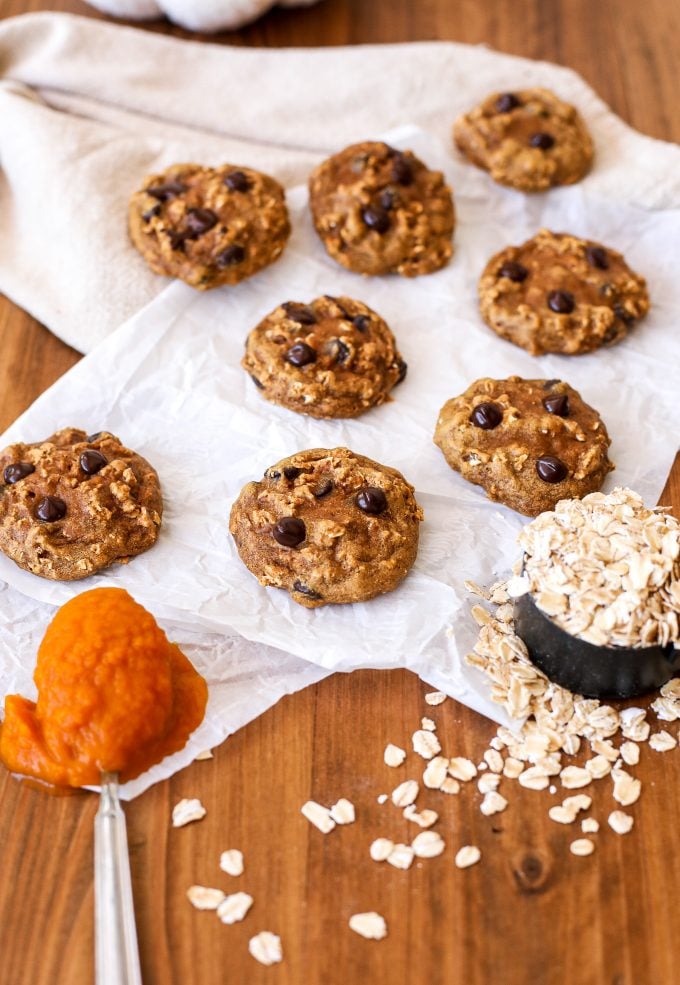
(343, 812)
(493, 760)
(369, 925)
(231, 862)
(589, 826)
(552, 789)
(205, 754)
(319, 816)
(582, 846)
(450, 786)
(425, 819)
(599, 766)
(630, 753)
(466, 856)
(561, 815)
(382, 798)
(626, 788)
(401, 856)
(620, 822)
(435, 772)
(394, 756)
(204, 898)
(265, 947)
(533, 778)
(428, 725)
(480, 615)
(488, 782)
(428, 844)
(405, 793)
(573, 777)
(380, 849)
(425, 743)
(233, 908)
(187, 811)
(512, 768)
(461, 768)
(493, 803)
(435, 697)
(662, 742)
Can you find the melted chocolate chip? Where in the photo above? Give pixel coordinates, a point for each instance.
(237, 181)
(486, 416)
(272, 474)
(92, 461)
(260, 386)
(402, 172)
(289, 531)
(376, 218)
(199, 221)
(96, 436)
(301, 313)
(177, 239)
(232, 255)
(300, 354)
(561, 302)
(306, 590)
(597, 257)
(514, 271)
(558, 405)
(361, 323)
(291, 472)
(506, 102)
(403, 370)
(549, 384)
(166, 191)
(544, 141)
(17, 471)
(624, 315)
(551, 469)
(341, 351)
(50, 509)
(151, 213)
(371, 500)
(323, 489)
(387, 199)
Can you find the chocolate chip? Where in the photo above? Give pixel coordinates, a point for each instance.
(387, 199)
(300, 354)
(92, 461)
(486, 416)
(544, 141)
(507, 102)
(306, 590)
(559, 405)
(361, 323)
(562, 302)
(16, 471)
(371, 500)
(291, 472)
(232, 255)
(597, 257)
(551, 469)
(323, 489)
(402, 172)
(177, 239)
(624, 315)
(199, 221)
(166, 191)
(96, 436)
(289, 531)
(260, 386)
(50, 509)
(301, 313)
(341, 351)
(549, 384)
(514, 271)
(237, 181)
(151, 213)
(272, 474)
(403, 370)
(376, 218)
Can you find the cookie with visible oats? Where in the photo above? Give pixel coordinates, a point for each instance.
(559, 293)
(529, 139)
(380, 211)
(73, 504)
(209, 226)
(328, 526)
(333, 357)
(528, 443)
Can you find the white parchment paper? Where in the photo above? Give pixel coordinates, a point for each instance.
(169, 383)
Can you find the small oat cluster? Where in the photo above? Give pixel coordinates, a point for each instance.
(230, 908)
(606, 569)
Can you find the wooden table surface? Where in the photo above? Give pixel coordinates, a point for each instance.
(530, 912)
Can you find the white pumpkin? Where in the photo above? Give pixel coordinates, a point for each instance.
(196, 15)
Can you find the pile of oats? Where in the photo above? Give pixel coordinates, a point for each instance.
(606, 569)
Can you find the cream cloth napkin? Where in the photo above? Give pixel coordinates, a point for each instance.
(87, 109)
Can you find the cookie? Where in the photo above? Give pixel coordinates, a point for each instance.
(328, 526)
(559, 293)
(209, 226)
(529, 140)
(381, 211)
(74, 503)
(528, 443)
(333, 357)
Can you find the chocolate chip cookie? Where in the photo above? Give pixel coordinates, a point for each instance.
(380, 211)
(74, 503)
(528, 443)
(529, 139)
(209, 226)
(333, 357)
(559, 293)
(328, 526)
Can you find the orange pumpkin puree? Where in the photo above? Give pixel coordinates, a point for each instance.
(113, 694)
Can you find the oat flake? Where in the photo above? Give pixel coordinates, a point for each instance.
(265, 947)
(369, 925)
(187, 811)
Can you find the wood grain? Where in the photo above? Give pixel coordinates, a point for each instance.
(530, 912)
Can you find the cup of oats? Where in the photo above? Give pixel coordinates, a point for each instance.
(598, 600)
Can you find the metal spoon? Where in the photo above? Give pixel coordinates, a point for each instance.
(116, 952)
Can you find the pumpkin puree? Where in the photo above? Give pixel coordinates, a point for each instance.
(113, 694)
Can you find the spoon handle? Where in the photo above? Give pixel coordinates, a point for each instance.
(116, 952)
